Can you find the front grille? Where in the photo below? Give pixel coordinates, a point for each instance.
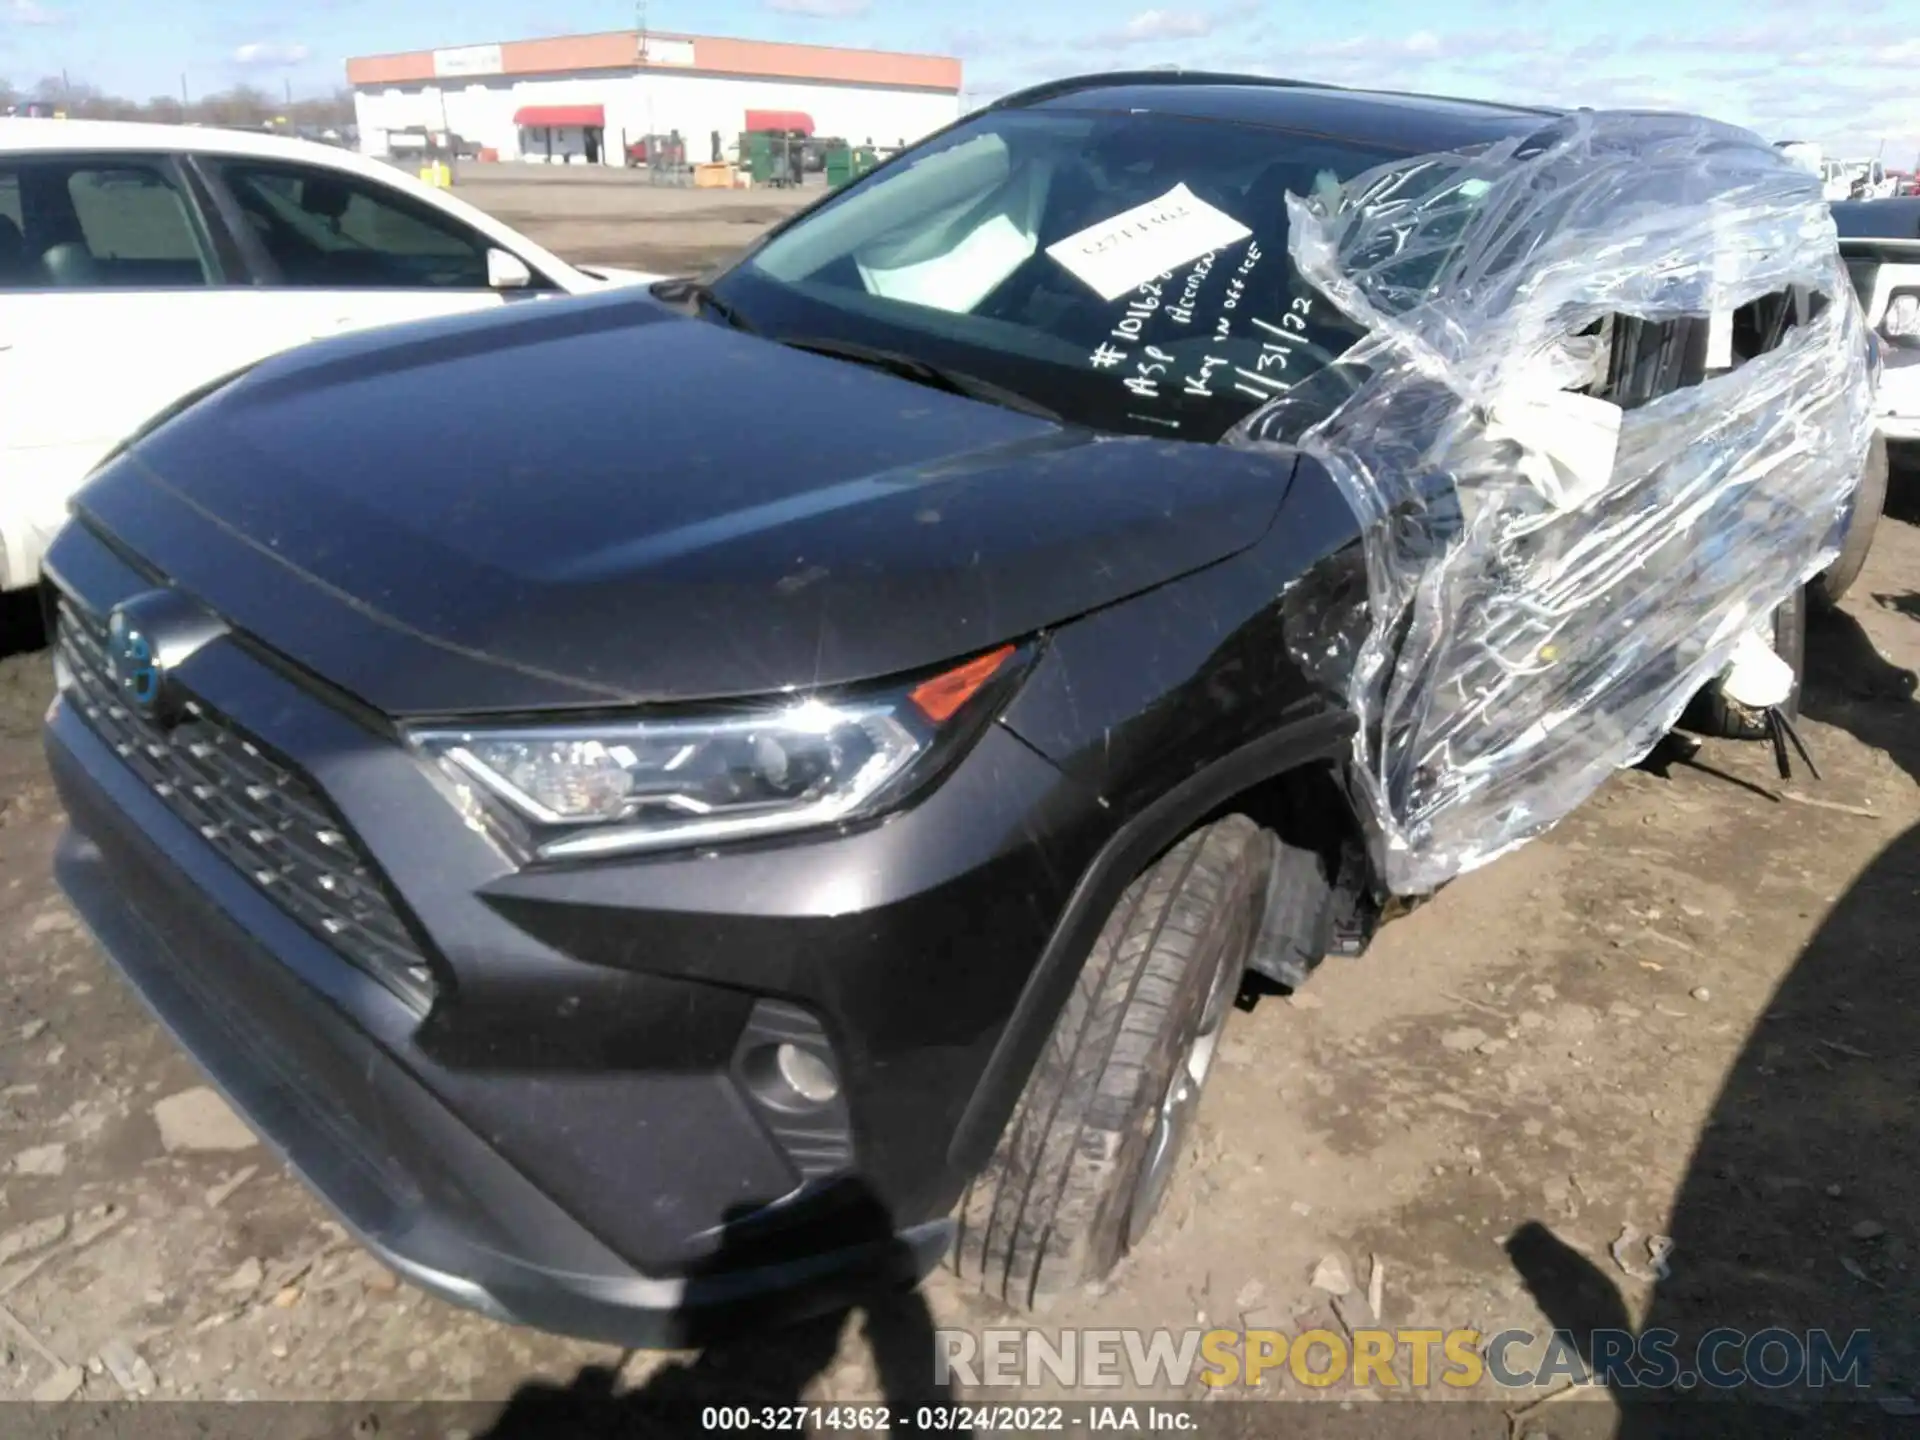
(260, 815)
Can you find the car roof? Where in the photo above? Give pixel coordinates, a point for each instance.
(24, 135)
(1414, 123)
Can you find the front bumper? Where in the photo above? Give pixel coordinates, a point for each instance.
(565, 1137)
(418, 1186)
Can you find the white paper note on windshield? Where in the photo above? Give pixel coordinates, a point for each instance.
(1125, 252)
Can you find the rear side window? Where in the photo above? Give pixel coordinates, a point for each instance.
(13, 243)
(331, 230)
(98, 224)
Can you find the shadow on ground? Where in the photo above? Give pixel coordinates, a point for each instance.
(1801, 1209)
(1903, 484)
(748, 1362)
(1851, 685)
(21, 627)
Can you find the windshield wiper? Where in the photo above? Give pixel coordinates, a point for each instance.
(699, 294)
(911, 367)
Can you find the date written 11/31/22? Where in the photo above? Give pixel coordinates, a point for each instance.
(1143, 370)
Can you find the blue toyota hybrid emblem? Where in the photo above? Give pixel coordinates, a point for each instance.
(149, 638)
(136, 668)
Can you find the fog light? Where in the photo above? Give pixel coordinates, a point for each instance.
(810, 1077)
(786, 1068)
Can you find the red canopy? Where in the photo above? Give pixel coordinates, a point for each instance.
(538, 117)
(780, 120)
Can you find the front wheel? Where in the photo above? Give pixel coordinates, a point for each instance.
(1831, 584)
(1108, 1112)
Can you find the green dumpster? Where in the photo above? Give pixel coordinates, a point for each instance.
(760, 158)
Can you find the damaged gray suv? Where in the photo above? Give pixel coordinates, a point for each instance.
(644, 867)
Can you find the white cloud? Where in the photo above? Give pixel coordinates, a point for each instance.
(822, 9)
(270, 54)
(31, 12)
(1385, 54)
(1152, 25)
(973, 42)
(1847, 86)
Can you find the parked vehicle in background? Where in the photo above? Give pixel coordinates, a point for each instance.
(417, 143)
(1866, 180)
(666, 152)
(813, 158)
(140, 262)
(1880, 241)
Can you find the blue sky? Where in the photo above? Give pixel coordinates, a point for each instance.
(1851, 83)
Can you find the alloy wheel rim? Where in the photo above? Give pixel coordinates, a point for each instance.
(1174, 1121)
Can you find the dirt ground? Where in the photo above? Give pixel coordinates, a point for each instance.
(1690, 1010)
(618, 217)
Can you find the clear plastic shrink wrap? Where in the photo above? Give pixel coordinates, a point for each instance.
(1610, 410)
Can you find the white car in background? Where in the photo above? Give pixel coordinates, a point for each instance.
(141, 262)
(1880, 241)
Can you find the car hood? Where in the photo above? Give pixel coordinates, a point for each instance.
(599, 500)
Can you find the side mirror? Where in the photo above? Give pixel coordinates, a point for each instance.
(507, 271)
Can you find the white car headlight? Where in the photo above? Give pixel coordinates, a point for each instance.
(607, 786)
(1901, 324)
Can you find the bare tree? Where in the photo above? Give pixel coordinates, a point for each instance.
(243, 107)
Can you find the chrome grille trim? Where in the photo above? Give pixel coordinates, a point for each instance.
(263, 818)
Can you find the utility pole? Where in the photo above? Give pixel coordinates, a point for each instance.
(646, 64)
(184, 101)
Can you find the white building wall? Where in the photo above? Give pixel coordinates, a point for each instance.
(655, 101)
(697, 105)
(375, 111)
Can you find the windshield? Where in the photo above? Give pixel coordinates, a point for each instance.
(1127, 271)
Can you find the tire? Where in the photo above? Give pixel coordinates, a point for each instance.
(1072, 1184)
(1713, 713)
(1831, 584)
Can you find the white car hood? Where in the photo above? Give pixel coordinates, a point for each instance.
(614, 277)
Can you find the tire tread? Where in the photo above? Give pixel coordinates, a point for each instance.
(1029, 1224)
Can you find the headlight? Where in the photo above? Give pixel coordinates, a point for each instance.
(646, 784)
(1901, 323)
